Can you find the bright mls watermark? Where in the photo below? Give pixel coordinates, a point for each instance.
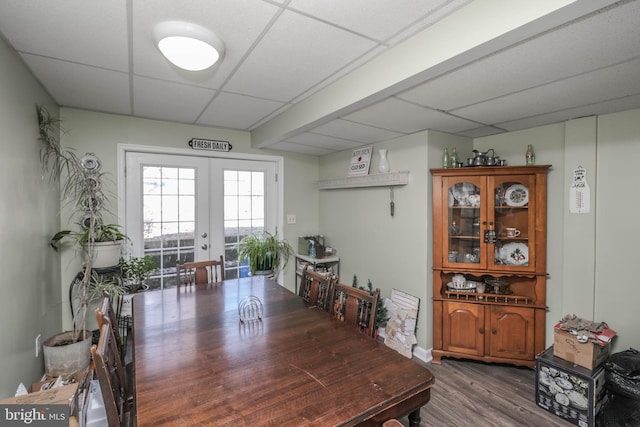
(34, 415)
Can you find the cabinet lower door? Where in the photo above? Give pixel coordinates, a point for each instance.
(512, 332)
(463, 328)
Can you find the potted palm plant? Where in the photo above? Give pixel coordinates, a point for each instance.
(265, 253)
(79, 181)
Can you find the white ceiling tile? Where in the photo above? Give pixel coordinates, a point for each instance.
(237, 111)
(377, 19)
(81, 86)
(280, 52)
(42, 27)
(403, 117)
(607, 83)
(565, 52)
(340, 128)
(606, 107)
(301, 149)
(169, 101)
(319, 50)
(323, 141)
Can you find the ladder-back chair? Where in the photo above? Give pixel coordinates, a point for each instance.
(105, 314)
(108, 369)
(355, 306)
(316, 287)
(200, 272)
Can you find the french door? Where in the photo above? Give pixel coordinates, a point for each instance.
(186, 208)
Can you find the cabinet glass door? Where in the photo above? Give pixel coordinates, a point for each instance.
(512, 211)
(466, 211)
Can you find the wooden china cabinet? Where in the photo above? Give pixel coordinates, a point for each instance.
(473, 208)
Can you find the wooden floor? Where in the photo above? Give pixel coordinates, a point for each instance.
(469, 393)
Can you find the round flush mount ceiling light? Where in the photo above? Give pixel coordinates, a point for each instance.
(188, 46)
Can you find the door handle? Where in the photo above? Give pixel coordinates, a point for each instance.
(205, 246)
(204, 235)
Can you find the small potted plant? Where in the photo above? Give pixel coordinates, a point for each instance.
(136, 271)
(265, 253)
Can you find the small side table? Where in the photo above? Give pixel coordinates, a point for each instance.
(327, 263)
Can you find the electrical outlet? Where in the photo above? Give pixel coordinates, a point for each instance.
(38, 345)
(291, 219)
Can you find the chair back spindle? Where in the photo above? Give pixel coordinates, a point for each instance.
(200, 272)
(316, 287)
(356, 307)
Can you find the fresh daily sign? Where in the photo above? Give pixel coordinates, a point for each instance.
(209, 144)
(360, 159)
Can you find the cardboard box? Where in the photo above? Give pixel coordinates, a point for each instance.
(588, 355)
(54, 396)
(571, 392)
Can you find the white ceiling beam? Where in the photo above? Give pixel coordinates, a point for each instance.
(478, 29)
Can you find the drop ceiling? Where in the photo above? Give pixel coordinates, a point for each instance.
(316, 77)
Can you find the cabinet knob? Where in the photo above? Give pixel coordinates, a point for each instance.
(481, 330)
(494, 331)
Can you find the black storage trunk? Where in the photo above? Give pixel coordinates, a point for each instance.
(569, 391)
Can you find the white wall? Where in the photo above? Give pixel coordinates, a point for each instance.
(30, 283)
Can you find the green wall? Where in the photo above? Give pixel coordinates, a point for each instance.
(30, 283)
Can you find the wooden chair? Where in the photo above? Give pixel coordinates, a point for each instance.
(110, 371)
(106, 315)
(355, 306)
(316, 288)
(200, 272)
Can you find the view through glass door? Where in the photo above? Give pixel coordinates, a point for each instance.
(193, 208)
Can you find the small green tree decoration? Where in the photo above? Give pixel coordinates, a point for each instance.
(382, 315)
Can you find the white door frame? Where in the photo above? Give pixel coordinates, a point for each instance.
(121, 166)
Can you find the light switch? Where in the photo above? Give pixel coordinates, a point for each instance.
(291, 219)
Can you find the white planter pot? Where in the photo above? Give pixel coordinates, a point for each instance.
(66, 359)
(106, 254)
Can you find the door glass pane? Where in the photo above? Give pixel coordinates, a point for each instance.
(464, 223)
(168, 199)
(244, 213)
(511, 213)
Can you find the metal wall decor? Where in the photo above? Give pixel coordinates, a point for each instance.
(209, 144)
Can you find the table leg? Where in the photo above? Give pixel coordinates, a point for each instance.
(414, 418)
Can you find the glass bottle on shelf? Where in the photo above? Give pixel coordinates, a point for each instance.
(454, 158)
(445, 158)
(530, 156)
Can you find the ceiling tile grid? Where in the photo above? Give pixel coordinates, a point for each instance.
(101, 56)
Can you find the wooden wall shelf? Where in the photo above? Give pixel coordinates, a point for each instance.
(390, 179)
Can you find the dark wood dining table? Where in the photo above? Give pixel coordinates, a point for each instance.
(196, 364)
